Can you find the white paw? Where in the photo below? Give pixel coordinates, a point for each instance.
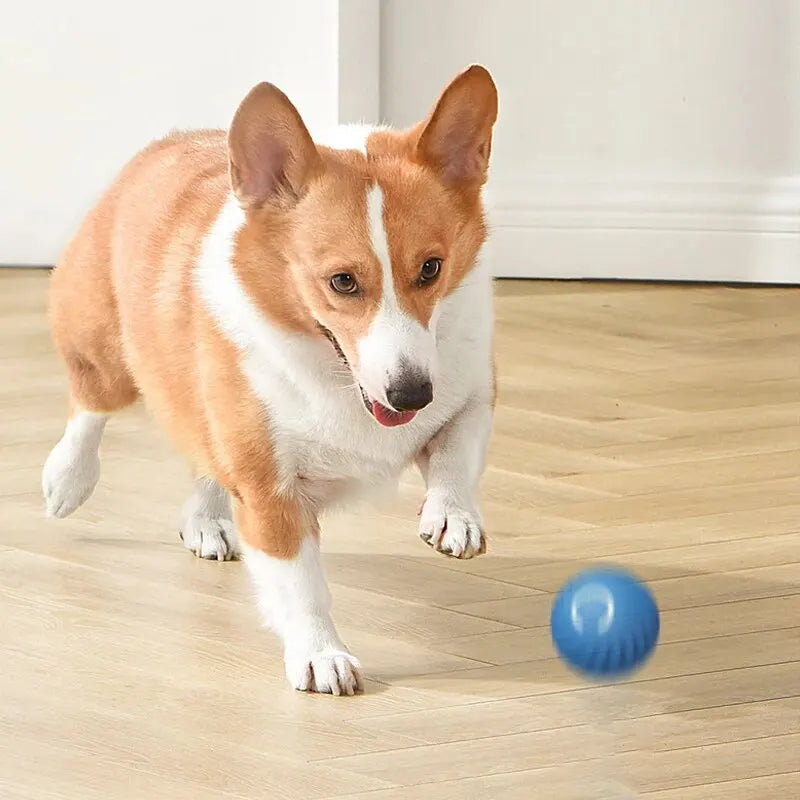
(328, 671)
(68, 478)
(450, 529)
(209, 537)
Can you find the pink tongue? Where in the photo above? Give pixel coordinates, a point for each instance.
(391, 418)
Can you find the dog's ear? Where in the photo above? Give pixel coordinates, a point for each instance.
(456, 139)
(272, 157)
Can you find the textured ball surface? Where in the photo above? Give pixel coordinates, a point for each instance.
(604, 623)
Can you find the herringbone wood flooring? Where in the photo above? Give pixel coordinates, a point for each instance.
(653, 426)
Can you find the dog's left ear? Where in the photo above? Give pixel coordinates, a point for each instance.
(456, 139)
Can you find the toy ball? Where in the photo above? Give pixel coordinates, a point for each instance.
(604, 623)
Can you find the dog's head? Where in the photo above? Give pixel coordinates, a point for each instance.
(362, 245)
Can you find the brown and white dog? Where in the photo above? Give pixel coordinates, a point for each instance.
(305, 320)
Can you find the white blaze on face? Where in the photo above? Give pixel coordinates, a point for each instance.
(396, 346)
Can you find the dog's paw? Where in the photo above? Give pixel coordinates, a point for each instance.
(450, 529)
(327, 671)
(209, 537)
(69, 477)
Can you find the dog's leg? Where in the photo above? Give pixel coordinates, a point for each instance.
(452, 464)
(99, 385)
(73, 467)
(206, 526)
(278, 531)
(281, 550)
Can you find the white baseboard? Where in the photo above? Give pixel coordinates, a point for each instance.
(657, 230)
(646, 230)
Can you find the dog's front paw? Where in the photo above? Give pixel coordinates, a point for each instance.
(69, 477)
(209, 537)
(450, 529)
(327, 671)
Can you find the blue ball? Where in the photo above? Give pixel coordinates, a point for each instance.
(604, 623)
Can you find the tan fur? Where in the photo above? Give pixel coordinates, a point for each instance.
(127, 319)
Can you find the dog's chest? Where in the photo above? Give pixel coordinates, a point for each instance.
(328, 441)
(324, 439)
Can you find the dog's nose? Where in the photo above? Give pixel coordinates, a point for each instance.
(410, 393)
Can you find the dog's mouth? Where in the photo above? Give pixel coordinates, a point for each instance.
(387, 417)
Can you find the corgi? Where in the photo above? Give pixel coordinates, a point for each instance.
(305, 318)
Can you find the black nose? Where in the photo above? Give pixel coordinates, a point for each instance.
(410, 394)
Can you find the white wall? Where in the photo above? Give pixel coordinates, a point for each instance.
(637, 138)
(86, 83)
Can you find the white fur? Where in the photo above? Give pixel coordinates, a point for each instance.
(320, 430)
(73, 467)
(346, 137)
(295, 602)
(207, 522)
(395, 340)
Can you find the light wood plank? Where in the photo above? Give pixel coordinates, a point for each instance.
(657, 427)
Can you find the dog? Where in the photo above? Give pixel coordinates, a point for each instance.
(306, 320)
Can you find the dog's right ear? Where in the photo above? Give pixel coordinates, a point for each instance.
(272, 157)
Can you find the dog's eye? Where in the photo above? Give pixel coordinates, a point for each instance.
(430, 270)
(344, 283)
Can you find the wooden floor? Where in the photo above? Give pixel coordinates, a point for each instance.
(653, 426)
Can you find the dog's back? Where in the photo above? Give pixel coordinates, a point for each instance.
(122, 303)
